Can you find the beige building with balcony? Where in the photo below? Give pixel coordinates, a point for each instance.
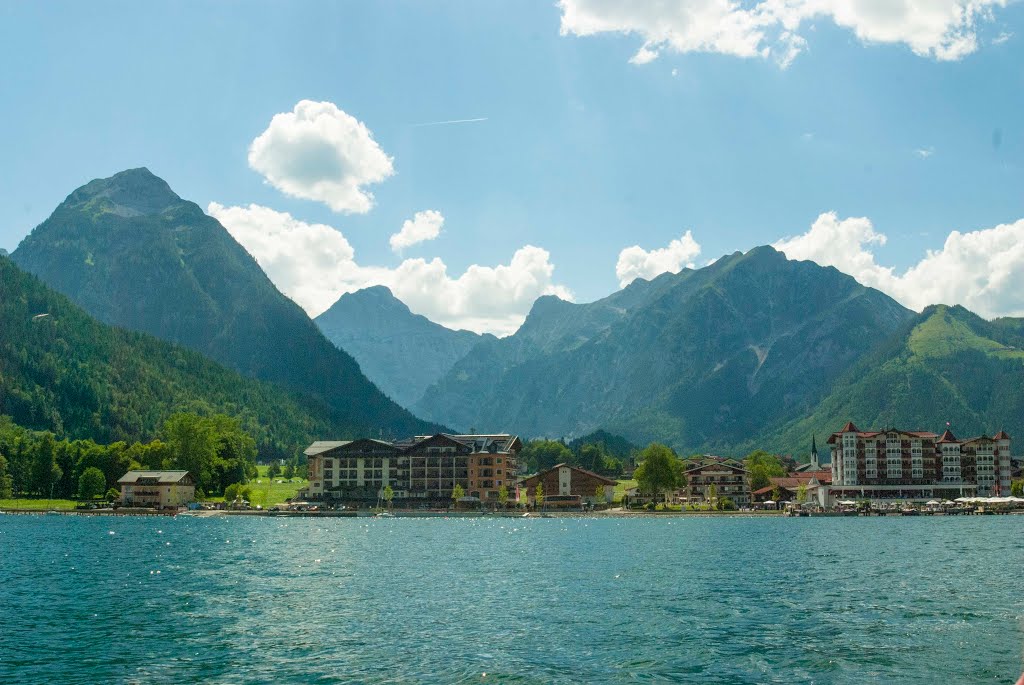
(157, 489)
(727, 475)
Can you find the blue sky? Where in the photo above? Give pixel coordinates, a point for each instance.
(583, 153)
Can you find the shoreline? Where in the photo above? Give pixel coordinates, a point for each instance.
(618, 513)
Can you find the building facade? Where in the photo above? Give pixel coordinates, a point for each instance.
(727, 475)
(157, 489)
(425, 468)
(565, 482)
(902, 464)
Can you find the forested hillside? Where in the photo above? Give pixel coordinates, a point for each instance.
(945, 365)
(63, 371)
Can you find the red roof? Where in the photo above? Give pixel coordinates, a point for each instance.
(849, 428)
(1001, 435)
(948, 436)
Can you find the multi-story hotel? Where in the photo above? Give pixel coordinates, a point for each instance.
(901, 464)
(727, 475)
(424, 468)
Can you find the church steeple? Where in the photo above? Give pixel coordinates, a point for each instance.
(814, 453)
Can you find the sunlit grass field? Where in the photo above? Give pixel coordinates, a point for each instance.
(267, 492)
(38, 504)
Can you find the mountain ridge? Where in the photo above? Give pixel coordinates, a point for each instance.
(700, 359)
(134, 254)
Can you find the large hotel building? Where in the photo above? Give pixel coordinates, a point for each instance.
(424, 468)
(902, 464)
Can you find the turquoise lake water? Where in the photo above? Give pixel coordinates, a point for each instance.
(695, 600)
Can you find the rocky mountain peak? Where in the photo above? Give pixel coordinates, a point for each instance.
(133, 192)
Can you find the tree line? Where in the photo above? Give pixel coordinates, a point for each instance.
(213, 448)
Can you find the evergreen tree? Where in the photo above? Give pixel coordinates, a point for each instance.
(6, 482)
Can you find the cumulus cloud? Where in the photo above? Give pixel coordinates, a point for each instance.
(319, 152)
(314, 264)
(425, 225)
(940, 29)
(635, 262)
(982, 270)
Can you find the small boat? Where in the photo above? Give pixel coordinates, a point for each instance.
(385, 514)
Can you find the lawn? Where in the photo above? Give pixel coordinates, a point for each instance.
(268, 492)
(620, 490)
(37, 504)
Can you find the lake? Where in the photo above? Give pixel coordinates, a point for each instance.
(686, 600)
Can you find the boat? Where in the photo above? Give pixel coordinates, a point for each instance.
(384, 514)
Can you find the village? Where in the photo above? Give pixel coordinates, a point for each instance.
(873, 472)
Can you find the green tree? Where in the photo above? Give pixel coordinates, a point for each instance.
(1017, 488)
(801, 493)
(538, 494)
(113, 494)
(214, 449)
(659, 471)
(763, 466)
(599, 494)
(776, 494)
(231, 492)
(289, 470)
(45, 471)
(458, 492)
(6, 482)
(274, 470)
(712, 494)
(543, 454)
(593, 457)
(388, 494)
(92, 483)
(503, 496)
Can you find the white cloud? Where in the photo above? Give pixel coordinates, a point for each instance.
(425, 225)
(982, 270)
(635, 262)
(924, 152)
(940, 29)
(314, 264)
(318, 152)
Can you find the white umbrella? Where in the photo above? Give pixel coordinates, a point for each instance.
(769, 501)
(963, 499)
(847, 502)
(933, 503)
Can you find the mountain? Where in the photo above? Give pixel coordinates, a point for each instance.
(403, 353)
(704, 359)
(947, 364)
(615, 445)
(64, 371)
(134, 254)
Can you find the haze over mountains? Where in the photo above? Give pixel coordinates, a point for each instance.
(755, 350)
(404, 353)
(132, 253)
